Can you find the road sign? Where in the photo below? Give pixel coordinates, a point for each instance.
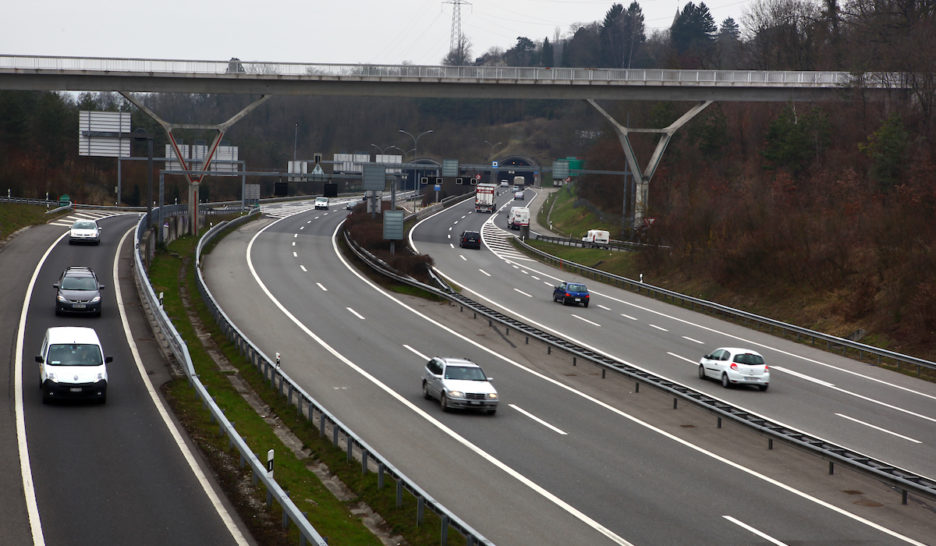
(393, 225)
(494, 164)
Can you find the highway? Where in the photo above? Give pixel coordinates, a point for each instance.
(569, 457)
(882, 414)
(114, 473)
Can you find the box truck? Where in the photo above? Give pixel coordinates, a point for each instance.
(484, 197)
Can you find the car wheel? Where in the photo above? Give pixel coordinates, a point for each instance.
(763, 387)
(724, 380)
(443, 401)
(492, 411)
(701, 371)
(45, 396)
(585, 304)
(426, 391)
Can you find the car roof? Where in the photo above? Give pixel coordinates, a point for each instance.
(452, 361)
(738, 350)
(72, 334)
(79, 271)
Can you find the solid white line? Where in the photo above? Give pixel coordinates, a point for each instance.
(584, 320)
(164, 414)
(485, 272)
(522, 292)
(355, 313)
(303, 268)
(322, 286)
(659, 327)
(538, 420)
(761, 534)
(692, 340)
(875, 427)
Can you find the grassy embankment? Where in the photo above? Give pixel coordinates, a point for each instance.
(14, 217)
(173, 272)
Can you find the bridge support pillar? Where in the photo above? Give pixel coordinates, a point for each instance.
(642, 176)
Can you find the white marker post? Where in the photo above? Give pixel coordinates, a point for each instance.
(270, 463)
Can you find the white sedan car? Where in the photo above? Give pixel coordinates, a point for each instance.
(734, 366)
(85, 231)
(459, 384)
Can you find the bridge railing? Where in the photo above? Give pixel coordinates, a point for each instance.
(235, 68)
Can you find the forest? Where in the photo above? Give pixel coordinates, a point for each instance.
(833, 201)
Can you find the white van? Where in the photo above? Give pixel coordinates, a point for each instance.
(321, 203)
(596, 238)
(519, 218)
(72, 365)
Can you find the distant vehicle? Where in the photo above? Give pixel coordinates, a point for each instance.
(519, 218)
(518, 195)
(484, 197)
(321, 203)
(596, 238)
(568, 293)
(504, 183)
(459, 384)
(734, 366)
(470, 239)
(72, 365)
(519, 181)
(78, 291)
(515, 189)
(85, 231)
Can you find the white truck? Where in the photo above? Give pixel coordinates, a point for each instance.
(519, 218)
(519, 181)
(596, 238)
(484, 197)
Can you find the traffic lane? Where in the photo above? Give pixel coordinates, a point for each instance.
(119, 463)
(661, 336)
(18, 257)
(392, 377)
(451, 471)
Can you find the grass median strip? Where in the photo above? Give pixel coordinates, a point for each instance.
(299, 461)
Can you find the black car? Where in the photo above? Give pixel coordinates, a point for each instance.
(78, 291)
(470, 239)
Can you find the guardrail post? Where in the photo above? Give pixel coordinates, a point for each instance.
(770, 443)
(574, 361)
(364, 462)
(335, 434)
(636, 386)
(399, 493)
(420, 509)
(719, 422)
(445, 524)
(348, 443)
(831, 468)
(674, 402)
(380, 476)
(322, 425)
(903, 496)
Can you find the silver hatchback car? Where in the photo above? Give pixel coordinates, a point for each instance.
(459, 383)
(734, 366)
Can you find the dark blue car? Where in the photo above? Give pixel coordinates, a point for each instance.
(571, 293)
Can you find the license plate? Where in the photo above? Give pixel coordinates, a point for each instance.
(578, 299)
(78, 306)
(74, 389)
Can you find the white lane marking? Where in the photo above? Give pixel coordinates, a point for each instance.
(803, 376)
(295, 254)
(450, 228)
(355, 313)
(522, 292)
(603, 307)
(485, 272)
(295, 235)
(451, 245)
(628, 316)
(164, 414)
(693, 340)
(659, 327)
(417, 353)
(585, 320)
(294, 243)
(449, 235)
(546, 494)
(538, 420)
(310, 221)
(303, 268)
(875, 427)
(462, 256)
(761, 534)
(322, 286)
(693, 362)
(547, 283)
(535, 278)
(301, 227)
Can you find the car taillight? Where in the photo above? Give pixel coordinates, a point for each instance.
(568, 295)
(766, 367)
(734, 366)
(586, 295)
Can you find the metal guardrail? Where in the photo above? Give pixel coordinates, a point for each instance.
(284, 385)
(180, 350)
(770, 324)
(572, 241)
(900, 479)
(238, 69)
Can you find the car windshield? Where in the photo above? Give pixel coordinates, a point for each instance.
(749, 358)
(74, 355)
(469, 373)
(84, 225)
(572, 287)
(78, 283)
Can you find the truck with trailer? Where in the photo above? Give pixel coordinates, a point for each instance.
(484, 197)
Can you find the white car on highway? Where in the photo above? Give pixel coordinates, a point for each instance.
(85, 231)
(459, 383)
(734, 366)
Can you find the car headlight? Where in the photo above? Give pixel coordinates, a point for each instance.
(492, 396)
(61, 298)
(95, 299)
(456, 394)
(50, 377)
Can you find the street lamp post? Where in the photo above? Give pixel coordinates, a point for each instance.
(415, 155)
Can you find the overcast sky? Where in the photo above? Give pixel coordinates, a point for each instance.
(314, 31)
